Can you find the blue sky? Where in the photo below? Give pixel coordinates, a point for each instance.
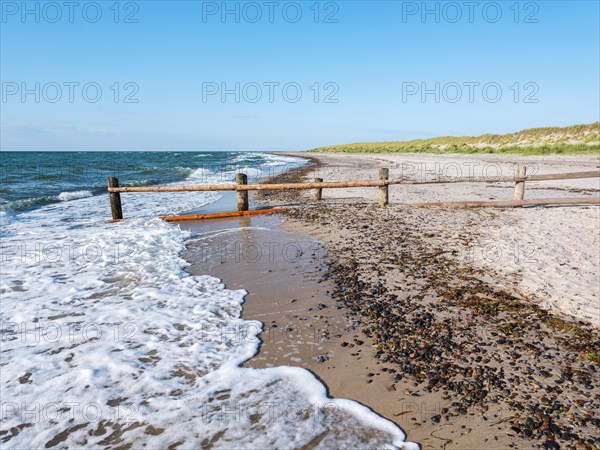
(341, 72)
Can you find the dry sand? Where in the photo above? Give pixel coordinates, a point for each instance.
(552, 252)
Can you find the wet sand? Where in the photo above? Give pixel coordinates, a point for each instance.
(282, 268)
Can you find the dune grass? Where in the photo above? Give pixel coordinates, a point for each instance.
(578, 139)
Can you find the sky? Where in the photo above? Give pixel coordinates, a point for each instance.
(277, 75)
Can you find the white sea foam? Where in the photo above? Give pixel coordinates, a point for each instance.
(224, 174)
(66, 196)
(107, 342)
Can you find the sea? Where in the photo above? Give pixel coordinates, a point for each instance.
(106, 341)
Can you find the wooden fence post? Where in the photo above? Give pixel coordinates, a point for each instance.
(115, 199)
(384, 174)
(242, 196)
(520, 185)
(318, 191)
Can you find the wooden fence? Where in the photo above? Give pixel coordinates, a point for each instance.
(383, 183)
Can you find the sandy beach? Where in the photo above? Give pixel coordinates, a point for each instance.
(533, 249)
(468, 328)
(307, 225)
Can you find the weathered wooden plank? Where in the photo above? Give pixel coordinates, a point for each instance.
(508, 203)
(222, 215)
(349, 184)
(508, 179)
(251, 187)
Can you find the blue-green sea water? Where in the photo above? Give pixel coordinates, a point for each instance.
(32, 179)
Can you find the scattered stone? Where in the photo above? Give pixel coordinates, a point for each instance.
(322, 358)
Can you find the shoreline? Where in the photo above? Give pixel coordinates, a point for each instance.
(368, 373)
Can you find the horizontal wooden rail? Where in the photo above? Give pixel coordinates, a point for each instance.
(348, 184)
(222, 215)
(508, 203)
(251, 187)
(218, 215)
(510, 179)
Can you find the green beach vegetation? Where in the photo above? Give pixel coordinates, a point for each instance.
(577, 139)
